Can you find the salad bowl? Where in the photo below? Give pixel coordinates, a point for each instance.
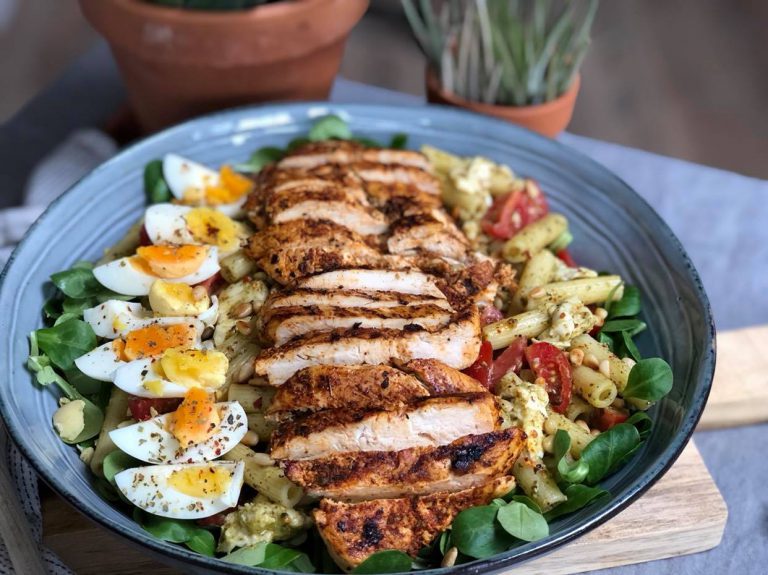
(615, 227)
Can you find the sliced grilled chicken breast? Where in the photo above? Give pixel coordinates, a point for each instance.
(348, 298)
(441, 379)
(427, 422)
(337, 386)
(338, 152)
(287, 323)
(457, 345)
(397, 174)
(467, 462)
(429, 232)
(402, 281)
(354, 531)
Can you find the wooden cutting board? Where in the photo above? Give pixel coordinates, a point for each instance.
(688, 512)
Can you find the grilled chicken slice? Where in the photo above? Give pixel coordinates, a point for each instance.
(401, 281)
(467, 462)
(429, 232)
(344, 152)
(287, 323)
(354, 531)
(441, 379)
(427, 422)
(389, 174)
(399, 199)
(457, 345)
(299, 248)
(349, 298)
(337, 386)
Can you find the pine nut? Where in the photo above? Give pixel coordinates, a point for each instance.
(583, 424)
(576, 356)
(591, 361)
(199, 293)
(629, 361)
(243, 327)
(536, 293)
(548, 444)
(241, 310)
(152, 411)
(250, 438)
(594, 432)
(449, 559)
(262, 459)
(618, 402)
(605, 368)
(245, 372)
(601, 313)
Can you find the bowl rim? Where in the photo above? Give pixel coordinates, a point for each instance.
(178, 554)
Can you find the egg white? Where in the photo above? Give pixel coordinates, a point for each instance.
(148, 489)
(122, 277)
(151, 441)
(115, 318)
(182, 174)
(132, 376)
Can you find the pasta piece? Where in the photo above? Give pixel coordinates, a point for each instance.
(268, 480)
(534, 237)
(580, 437)
(236, 266)
(539, 271)
(578, 408)
(618, 370)
(114, 415)
(598, 390)
(261, 426)
(588, 290)
(530, 324)
(537, 482)
(253, 399)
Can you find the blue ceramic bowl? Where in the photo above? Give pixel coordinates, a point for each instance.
(614, 229)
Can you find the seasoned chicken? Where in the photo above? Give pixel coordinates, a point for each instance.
(397, 174)
(353, 531)
(300, 248)
(457, 345)
(337, 386)
(427, 422)
(286, 323)
(401, 281)
(348, 298)
(441, 379)
(467, 462)
(428, 232)
(399, 199)
(345, 152)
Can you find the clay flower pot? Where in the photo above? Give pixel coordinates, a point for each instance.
(549, 118)
(180, 63)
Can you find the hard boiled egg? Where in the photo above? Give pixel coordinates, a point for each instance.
(149, 341)
(173, 374)
(134, 275)
(183, 491)
(116, 318)
(197, 185)
(153, 441)
(173, 224)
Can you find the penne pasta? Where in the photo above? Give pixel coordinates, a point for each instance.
(529, 324)
(253, 399)
(114, 415)
(268, 480)
(537, 482)
(580, 437)
(588, 290)
(579, 408)
(593, 386)
(261, 426)
(618, 370)
(236, 266)
(534, 237)
(539, 271)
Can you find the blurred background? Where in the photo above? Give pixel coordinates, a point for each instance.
(685, 78)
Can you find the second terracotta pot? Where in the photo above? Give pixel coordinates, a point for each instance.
(180, 63)
(548, 119)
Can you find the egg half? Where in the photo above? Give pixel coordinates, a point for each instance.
(198, 185)
(173, 373)
(153, 441)
(134, 275)
(190, 491)
(116, 318)
(174, 224)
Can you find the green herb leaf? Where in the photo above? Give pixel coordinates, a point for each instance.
(642, 422)
(608, 450)
(177, 531)
(117, 461)
(66, 342)
(606, 339)
(628, 305)
(77, 283)
(525, 500)
(629, 345)
(445, 541)
(296, 143)
(389, 561)
(571, 472)
(633, 326)
(202, 541)
(475, 532)
(330, 127)
(579, 496)
(650, 380)
(251, 555)
(522, 522)
(399, 141)
(155, 187)
(52, 308)
(261, 158)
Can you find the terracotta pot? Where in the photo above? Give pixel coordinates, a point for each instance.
(180, 63)
(549, 119)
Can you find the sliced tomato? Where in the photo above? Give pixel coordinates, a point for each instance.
(566, 258)
(552, 365)
(481, 369)
(144, 237)
(608, 417)
(212, 283)
(490, 314)
(140, 407)
(511, 359)
(513, 211)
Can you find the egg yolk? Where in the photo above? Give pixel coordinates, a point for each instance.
(118, 347)
(200, 481)
(195, 367)
(212, 227)
(176, 299)
(196, 419)
(231, 187)
(155, 339)
(170, 261)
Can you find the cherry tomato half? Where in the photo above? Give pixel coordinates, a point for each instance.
(552, 365)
